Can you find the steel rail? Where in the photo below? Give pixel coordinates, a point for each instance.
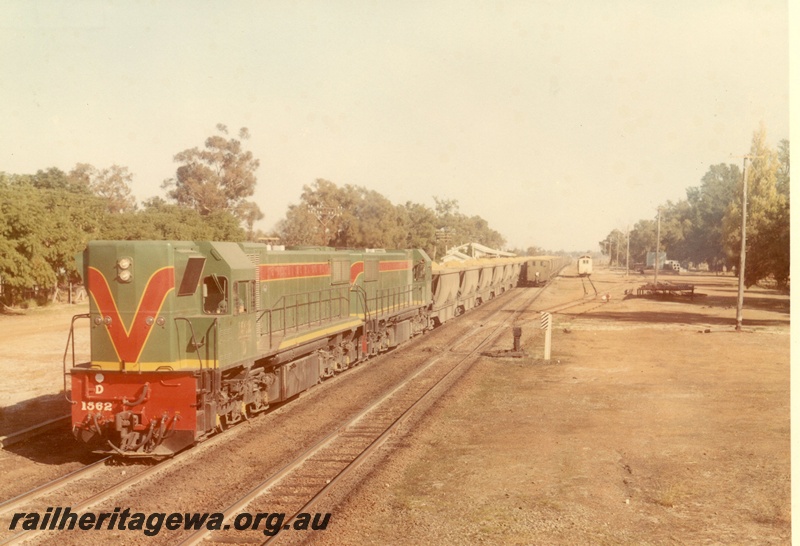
(305, 456)
(179, 458)
(109, 492)
(95, 499)
(31, 432)
(50, 486)
(452, 375)
(558, 308)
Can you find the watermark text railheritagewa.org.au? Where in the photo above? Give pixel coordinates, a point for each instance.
(63, 518)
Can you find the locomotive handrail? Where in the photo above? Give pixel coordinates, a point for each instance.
(142, 397)
(216, 344)
(363, 293)
(325, 297)
(194, 339)
(216, 378)
(393, 299)
(71, 341)
(269, 324)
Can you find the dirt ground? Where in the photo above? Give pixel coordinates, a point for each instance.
(654, 423)
(31, 363)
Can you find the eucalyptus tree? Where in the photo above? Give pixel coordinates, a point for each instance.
(112, 184)
(767, 214)
(220, 176)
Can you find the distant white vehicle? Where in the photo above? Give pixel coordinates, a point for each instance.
(584, 266)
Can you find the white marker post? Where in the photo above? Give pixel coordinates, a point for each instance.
(547, 326)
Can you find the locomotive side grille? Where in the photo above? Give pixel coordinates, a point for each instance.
(255, 259)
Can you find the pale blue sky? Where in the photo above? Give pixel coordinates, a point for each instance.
(555, 121)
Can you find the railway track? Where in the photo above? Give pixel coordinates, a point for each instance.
(45, 426)
(368, 423)
(583, 281)
(589, 301)
(32, 500)
(311, 476)
(42, 496)
(37, 499)
(60, 482)
(33, 431)
(562, 306)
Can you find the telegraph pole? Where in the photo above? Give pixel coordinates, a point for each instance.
(658, 242)
(324, 214)
(740, 299)
(443, 235)
(628, 250)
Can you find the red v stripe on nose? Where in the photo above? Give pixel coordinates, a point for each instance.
(128, 341)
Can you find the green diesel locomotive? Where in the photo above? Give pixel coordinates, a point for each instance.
(188, 338)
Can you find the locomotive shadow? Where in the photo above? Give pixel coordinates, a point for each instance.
(54, 446)
(30, 412)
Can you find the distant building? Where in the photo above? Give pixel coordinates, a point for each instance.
(651, 259)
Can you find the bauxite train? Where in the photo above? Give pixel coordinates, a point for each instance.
(188, 338)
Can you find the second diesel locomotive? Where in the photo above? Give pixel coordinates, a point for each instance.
(188, 338)
(539, 270)
(585, 266)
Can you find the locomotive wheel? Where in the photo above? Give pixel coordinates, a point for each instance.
(254, 408)
(232, 418)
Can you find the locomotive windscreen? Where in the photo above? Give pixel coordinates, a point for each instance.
(191, 276)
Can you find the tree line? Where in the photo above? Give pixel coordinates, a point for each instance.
(705, 227)
(354, 216)
(47, 218)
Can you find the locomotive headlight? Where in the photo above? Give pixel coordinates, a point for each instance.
(99, 378)
(125, 275)
(124, 263)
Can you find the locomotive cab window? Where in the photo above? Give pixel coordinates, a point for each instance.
(215, 295)
(244, 297)
(419, 271)
(191, 276)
